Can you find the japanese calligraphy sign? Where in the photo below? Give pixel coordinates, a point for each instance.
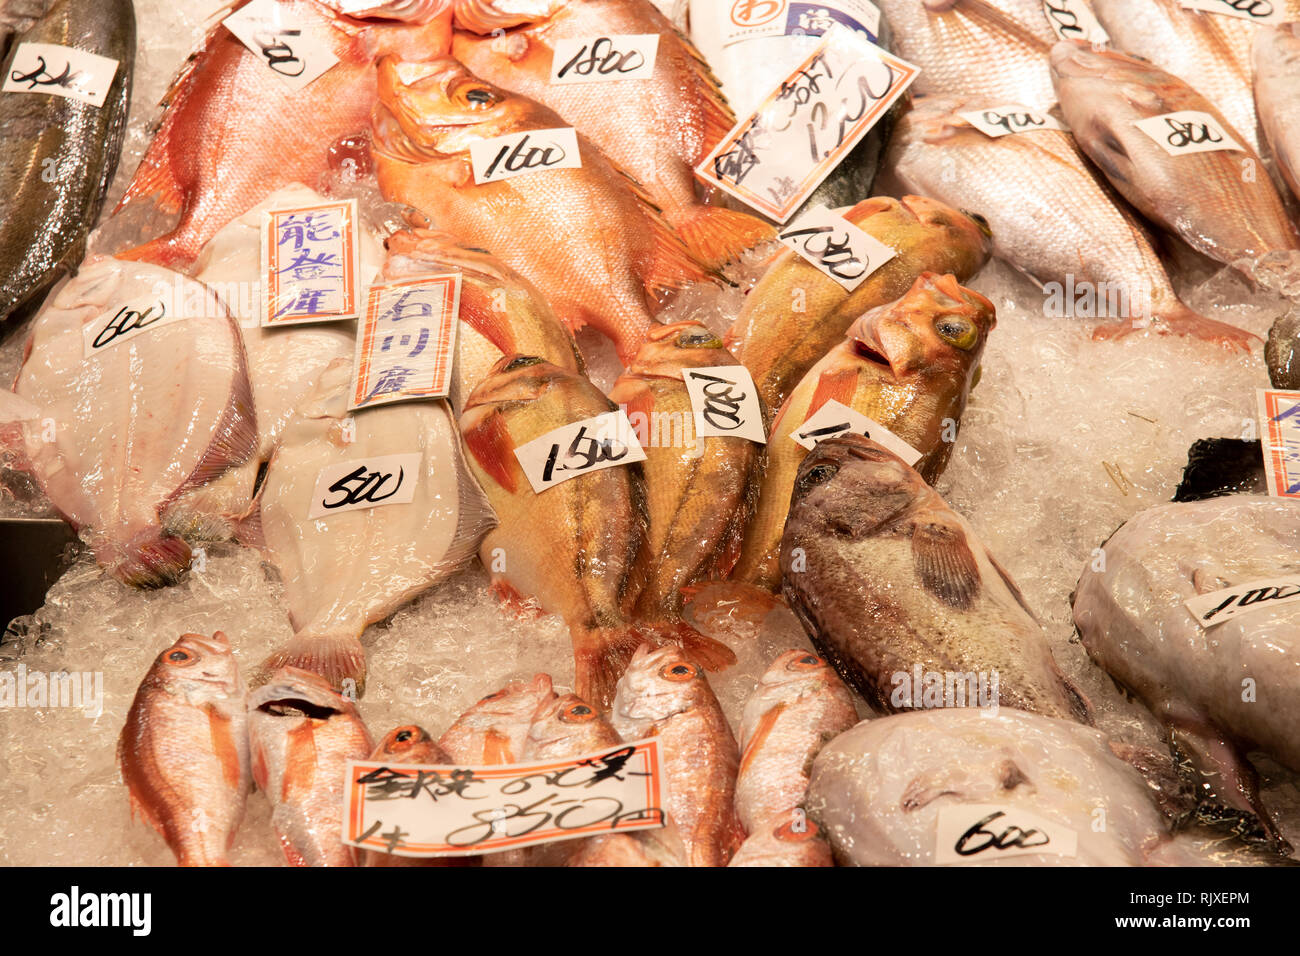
(406, 342)
(60, 71)
(774, 159)
(310, 264)
(1279, 417)
(366, 483)
(422, 811)
(837, 247)
(835, 418)
(293, 43)
(604, 441)
(725, 402)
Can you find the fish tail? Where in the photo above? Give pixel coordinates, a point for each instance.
(716, 235)
(336, 657)
(1180, 320)
(152, 559)
(710, 654)
(740, 600)
(600, 657)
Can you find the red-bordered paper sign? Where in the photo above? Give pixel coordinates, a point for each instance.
(774, 159)
(1279, 414)
(406, 342)
(420, 810)
(310, 260)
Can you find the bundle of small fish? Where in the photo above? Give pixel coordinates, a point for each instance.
(257, 349)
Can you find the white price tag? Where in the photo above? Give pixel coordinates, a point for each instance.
(605, 441)
(1074, 20)
(1279, 420)
(60, 71)
(599, 59)
(1215, 607)
(125, 322)
(294, 45)
(1258, 11)
(407, 341)
(420, 810)
(836, 246)
(836, 418)
(774, 159)
(310, 264)
(978, 832)
(365, 483)
(725, 401)
(531, 151)
(1187, 131)
(1001, 120)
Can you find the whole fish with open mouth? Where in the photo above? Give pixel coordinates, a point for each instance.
(302, 735)
(1276, 58)
(699, 490)
(796, 313)
(665, 694)
(60, 153)
(183, 751)
(909, 365)
(987, 48)
(234, 131)
(799, 704)
(501, 312)
(664, 126)
(887, 580)
(140, 411)
(572, 547)
(346, 569)
(1059, 219)
(1203, 198)
(495, 729)
(586, 237)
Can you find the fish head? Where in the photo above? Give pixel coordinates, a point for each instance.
(296, 696)
(513, 705)
(514, 379)
(967, 233)
(796, 670)
(936, 332)
(570, 724)
(437, 108)
(198, 667)
(485, 16)
(409, 744)
(669, 348)
(659, 682)
(851, 487)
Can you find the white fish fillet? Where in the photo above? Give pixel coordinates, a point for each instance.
(131, 429)
(351, 568)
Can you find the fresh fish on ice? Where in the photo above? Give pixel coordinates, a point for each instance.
(1276, 57)
(495, 729)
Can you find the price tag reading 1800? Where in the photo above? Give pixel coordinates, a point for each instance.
(599, 59)
(774, 159)
(604, 441)
(836, 246)
(725, 402)
(1260, 11)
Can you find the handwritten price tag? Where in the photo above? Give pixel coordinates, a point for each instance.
(1002, 120)
(836, 418)
(1215, 607)
(836, 246)
(517, 153)
(977, 832)
(294, 45)
(1259, 11)
(365, 483)
(592, 444)
(620, 56)
(406, 342)
(422, 811)
(310, 262)
(725, 402)
(1279, 419)
(122, 324)
(1073, 20)
(1187, 131)
(775, 159)
(60, 71)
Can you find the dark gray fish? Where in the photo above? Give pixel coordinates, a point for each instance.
(1282, 351)
(60, 153)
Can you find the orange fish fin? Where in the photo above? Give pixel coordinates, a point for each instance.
(513, 600)
(336, 658)
(834, 385)
(600, 656)
(735, 599)
(944, 562)
(716, 235)
(496, 748)
(161, 252)
(718, 117)
(710, 654)
(673, 266)
(761, 733)
(729, 548)
(224, 746)
(490, 444)
(477, 312)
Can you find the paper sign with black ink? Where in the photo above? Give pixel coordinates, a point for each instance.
(836, 418)
(980, 832)
(366, 483)
(604, 441)
(407, 341)
(836, 246)
(725, 402)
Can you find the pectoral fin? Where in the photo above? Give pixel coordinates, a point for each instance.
(945, 563)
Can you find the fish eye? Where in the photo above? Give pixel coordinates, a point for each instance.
(521, 361)
(679, 672)
(979, 221)
(701, 339)
(820, 473)
(787, 833)
(403, 736)
(957, 331)
(181, 657)
(476, 97)
(578, 712)
(807, 662)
